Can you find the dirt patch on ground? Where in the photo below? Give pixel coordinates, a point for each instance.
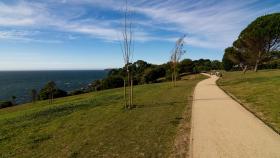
(181, 142)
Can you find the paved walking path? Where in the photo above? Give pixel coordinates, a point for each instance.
(222, 128)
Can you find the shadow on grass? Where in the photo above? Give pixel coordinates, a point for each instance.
(176, 121)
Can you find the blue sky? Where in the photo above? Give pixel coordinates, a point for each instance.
(85, 34)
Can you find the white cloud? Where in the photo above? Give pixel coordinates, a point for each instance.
(23, 36)
(207, 23)
(210, 23)
(21, 14)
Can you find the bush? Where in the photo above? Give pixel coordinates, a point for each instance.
(95, 86)
(186, 66)
(76, 92)
(57, 93)
(112, 82)
(152, 74)
(5, 104)
(51, 89)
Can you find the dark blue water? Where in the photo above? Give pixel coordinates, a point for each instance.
(20, 83)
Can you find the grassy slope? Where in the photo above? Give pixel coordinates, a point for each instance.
(258, 91)
(95, 125)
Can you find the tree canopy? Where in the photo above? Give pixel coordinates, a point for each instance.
(258, 39)
(50, 91)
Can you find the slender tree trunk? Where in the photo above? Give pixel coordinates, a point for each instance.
(257, 62)
(174, 76)
(124, 94)
(50, 98)
(256, 66)
(128, 85)
(131, 91)
(245, 69)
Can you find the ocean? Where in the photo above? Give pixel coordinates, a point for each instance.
(20, 83)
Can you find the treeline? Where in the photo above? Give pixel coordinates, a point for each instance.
(257, 46)
(145, 73)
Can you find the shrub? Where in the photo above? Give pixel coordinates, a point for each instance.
(76, 92)
(152, 74)
(49, 90)
(112, 82)
(5, 104)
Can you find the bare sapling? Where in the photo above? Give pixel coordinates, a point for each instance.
(127, 51)
(176, 56)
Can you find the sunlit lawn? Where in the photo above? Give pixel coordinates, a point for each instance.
(260, 92)
(96, 125)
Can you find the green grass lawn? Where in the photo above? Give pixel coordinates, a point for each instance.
(260, 92)
(96, 125)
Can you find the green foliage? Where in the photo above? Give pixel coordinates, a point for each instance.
(186, 66)
(5, 104)
(152, 74)
(112, 81)
(231, 58)
(140, 66)
(273, 64)
(256, 42)
(95, 85)
(275, 55)
(50, 90)
(216, 65)
(144, 72)
(202, 65)
(264, 31)
(227, 63)
(76, 92)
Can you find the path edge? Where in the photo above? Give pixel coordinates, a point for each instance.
(246, 108)
(190, 152)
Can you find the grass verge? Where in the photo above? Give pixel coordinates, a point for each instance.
(96, 125)
(258, 92)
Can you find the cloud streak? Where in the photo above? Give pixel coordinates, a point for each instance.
(207, 23)
(24, 36)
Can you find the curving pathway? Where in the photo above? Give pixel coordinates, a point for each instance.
(222, 128)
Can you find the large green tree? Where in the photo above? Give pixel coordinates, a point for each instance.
(233, 57)
(186, 66)
(260, 38)
(227, 62)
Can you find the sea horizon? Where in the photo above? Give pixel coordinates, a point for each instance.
(59, 70)
(20, 83)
